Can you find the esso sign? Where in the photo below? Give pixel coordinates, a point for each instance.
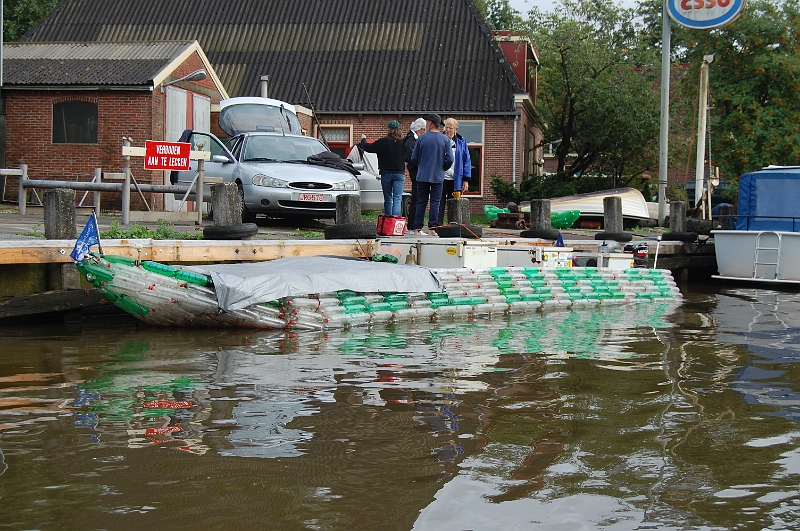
(704, 14)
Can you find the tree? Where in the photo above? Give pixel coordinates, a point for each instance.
(754, 87)
(499, 14)
(596, 100)
(21, 15)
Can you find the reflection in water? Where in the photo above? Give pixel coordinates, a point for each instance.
(643, 417)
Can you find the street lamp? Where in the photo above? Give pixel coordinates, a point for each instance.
(197, 75)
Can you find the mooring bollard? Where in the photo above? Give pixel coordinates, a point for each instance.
(677, 216)
(225, 204)
(612, 214)
(725, 221)
(348, 209)
(458, 210)
(540, 214)
(59, 224)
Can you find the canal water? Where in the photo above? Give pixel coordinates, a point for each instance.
(654, 416)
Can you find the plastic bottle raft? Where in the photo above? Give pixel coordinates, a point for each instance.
(165, 295)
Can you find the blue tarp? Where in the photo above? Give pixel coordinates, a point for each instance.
(770, 200)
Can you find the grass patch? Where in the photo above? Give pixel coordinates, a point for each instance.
(164, 231)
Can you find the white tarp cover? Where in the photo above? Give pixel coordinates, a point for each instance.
(241, 285)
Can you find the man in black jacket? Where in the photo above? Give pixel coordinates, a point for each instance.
(416, 129)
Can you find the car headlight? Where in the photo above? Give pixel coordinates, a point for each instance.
(349, 186)
(272, 182)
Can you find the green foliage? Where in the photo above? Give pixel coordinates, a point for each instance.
(499, 14)
(595, 98)
(754, 87)
(547, 186)
(309, 234)
(164, 231)
(21, 15)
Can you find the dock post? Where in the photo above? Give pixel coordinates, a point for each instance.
(59, 224)
(612, 214)
(677, 216)
(725, 221)
(126, 185)
(225, 204)
(348, 209)
(98, 177)
(540, 214)
(458, 210)
(22, 193)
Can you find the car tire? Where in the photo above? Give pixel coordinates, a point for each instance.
(230, 232)
(247, 216)
(360, 230)
(458, 231)
(687, 237)
(542, 234)
(615, 236)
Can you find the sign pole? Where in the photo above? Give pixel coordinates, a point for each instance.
(663, 155)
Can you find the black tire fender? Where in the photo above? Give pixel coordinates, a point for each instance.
(247, 216)
(616, 236)
(230, 232)
(458, 231)
(679, 237)
(542, 234)
(360, 230)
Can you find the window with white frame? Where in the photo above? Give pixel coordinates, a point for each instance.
(338, 137)
(472, 132)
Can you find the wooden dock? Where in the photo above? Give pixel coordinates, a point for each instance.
(38, 276)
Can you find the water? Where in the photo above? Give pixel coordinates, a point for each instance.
(649, 417)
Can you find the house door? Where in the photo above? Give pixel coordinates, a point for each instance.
(175, 125)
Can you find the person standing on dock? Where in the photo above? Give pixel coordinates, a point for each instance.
(391, 166)
(416, 129)
(433, 155)
(456, 179)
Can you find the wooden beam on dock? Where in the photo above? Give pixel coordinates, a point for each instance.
(51, 301)
(184, 251)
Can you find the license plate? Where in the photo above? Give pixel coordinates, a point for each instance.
(316, 198)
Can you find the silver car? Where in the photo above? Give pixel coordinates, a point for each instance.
(268, 159)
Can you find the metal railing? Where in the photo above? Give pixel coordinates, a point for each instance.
(781, 223)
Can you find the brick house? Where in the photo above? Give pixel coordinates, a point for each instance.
(69, 105)
(357, 64)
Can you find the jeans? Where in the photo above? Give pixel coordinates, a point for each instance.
(424, 191)
(392, 184)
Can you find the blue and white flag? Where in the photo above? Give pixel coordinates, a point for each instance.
(560, 241)
(90, 236)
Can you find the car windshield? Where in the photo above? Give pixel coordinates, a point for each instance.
(281, 148)
(244, 118)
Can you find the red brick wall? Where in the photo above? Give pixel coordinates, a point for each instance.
(497, 145)
(137, 114)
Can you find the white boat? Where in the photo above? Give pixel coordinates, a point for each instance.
(765, 245)
(590, 204)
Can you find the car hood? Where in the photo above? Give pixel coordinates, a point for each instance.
(299, 171)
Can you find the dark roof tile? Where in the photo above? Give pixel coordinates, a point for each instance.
(365, 56)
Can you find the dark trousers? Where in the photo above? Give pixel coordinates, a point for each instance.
(425, 191)
(412, 205)
(448, 187)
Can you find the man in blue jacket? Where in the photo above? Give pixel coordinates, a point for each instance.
(456, 179)
(433, 155)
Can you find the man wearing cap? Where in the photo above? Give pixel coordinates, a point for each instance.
(433, 156)
(416, 129)
(391, 166)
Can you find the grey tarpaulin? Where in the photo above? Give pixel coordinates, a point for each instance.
(240, 285)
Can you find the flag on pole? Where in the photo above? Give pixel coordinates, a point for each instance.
(560, 241)
(90, 236)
